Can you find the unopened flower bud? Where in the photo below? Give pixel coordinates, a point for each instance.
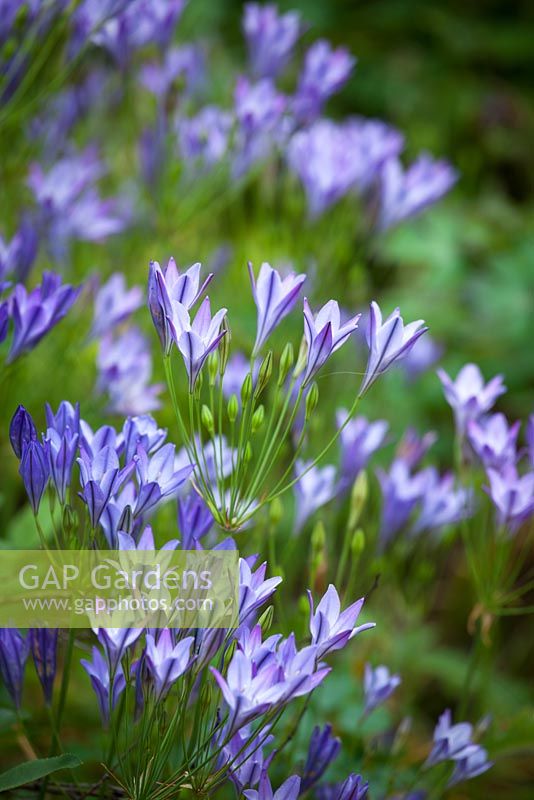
(312, 399)
(357, 544)
(286, 362)
(257, 418)
(224, 347)
(264, 375)
(233, 408)
(246, 389)
(69, 520)
(207, 419)
(126, 520)
(266, 619)
(358, 498)
(213, 366)
(302, 358)
(198, 384)
(248, 452)
(276, 511)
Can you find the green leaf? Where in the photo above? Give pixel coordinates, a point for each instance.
(34, 770)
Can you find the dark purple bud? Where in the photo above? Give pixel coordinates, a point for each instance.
(13, 654)
(22, 431)
(323, 749)
(43, 643)
(34, 471)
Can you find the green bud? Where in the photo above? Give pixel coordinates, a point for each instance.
(304, 606)
(246, 389)
(358, 498)
(206, 695)
(276, 511)
(248, 452)
(198, 384)
(126, 520)
(266, 619)
(258, 418)
(207, 419)
(286, 362)
(312, 398)
(233, 408)
(265, 373)
(224, 347)
(70, 519)
(357, 544)
(213, 366)
(302, 358)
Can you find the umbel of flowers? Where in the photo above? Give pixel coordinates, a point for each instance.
(246, 432)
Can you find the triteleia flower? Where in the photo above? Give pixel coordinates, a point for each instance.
(412, 448)
(401, 491)
(530, 439)
(34, 471)
(289, 790)
(183, 65)
(14, 651)
(114, 303)
(254, 590)
(194, 520)
(387, 341)
(352, 788)
(325, 71)
(404, 194)
(141, 431)
(322, 751)
(259, 110)
(316, 487)
(145, 541)
(116, 641)
(43, 643)
(324, 335)
(197, 339)
(17, 257)
(101, 477)
(124, 373)
(450, 741)
(4, 319)
(246, 758)
(271, 38)
(472, 762)
(513, 496)
(359, 439)
(493, 440)
(204, 139)
(468, 396)
(274, 297)
(66, 416)
(442, 504)
(378, 685)
(61, 450)
(35, 313)
(165, 660)
(22, 430)
(423, 355)
(330, 627)
(103, 683)
(158, 477)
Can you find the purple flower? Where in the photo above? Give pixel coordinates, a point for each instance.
(378, 685)
(274, 297)
(61, 451)
(468, 397)
(271, 38)
(37, 312)
(259, 109)
(412, 448)
(359, 439)
(17, 257)
(203, 140)
(332, 628)
(34, 471)
(114, 304)
(423, 355)
(4, 319)
(325, 71)
(43, 643)
(165, 660)
(158, 477)
(194, 520)
(116, 641)
(493, 441)
(322, 751)
(246, 759)
(387, 342)
(530, 439)
(450, 741)
(400, 493)
(168, 287)
(145, 541)
(197, 339)
(101, 477)
(442, 504)
(324, 335)
(289, 790)
(405, 194)
(22, 430)
(472, 762)
(14, 651)
(67, 416)
(141, 431)
(103, 684)
(184, 63)
(512, 496)
(125, 370)
(254, 590)
(352, 788)
(316, 487)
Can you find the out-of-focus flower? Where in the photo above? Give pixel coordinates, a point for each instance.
(325, 71)
(473, 762)
(35, 313)
(324, 335)
(261, 125)
(14, 651)
(165, 660)
(388, 341)
(204, 139)
(400, 493)
(274, 297)
(449, 740)
(124, 373)
(332, 628)
(404, 194)
(43, 644)
(530, 439)
(271, 38)
(17, 256)
(184, 65)
(442, 504)
(352, 788)
(423, 355)
(289, 790)
(468, 396)
(34, 471)
(22, 430)
(359, 439)
(412, 448)
(316, 487)
(236, 371)
(378, 685)
(513, 496)
(114, 303)
(322, 751)
(103, 684)
(197, 339)
(493, 441)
